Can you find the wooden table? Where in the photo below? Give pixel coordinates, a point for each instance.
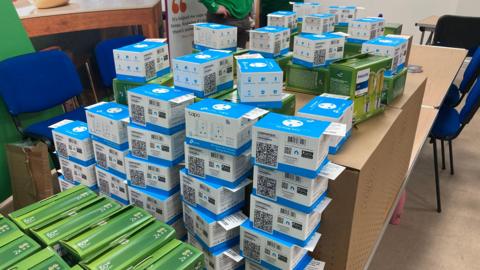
(440, 65)
(81, 15)
(427, 24)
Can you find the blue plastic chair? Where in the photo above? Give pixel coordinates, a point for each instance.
(38, 81)
(448, 125)
(104, 56)
(455, 93)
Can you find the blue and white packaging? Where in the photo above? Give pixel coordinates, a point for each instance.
(364, 29)
(204, 73)
(158, 108)
(289, 189)
(318, 23)
(270, 41)
(214, 200)
(78, 173)
(65, 184)
(286, 19)
(290, 144)
(221, 126)
(164, 208)
(156, 147)
(110, 158)
(107, 123)
(152, 176)
(343, 14)
(286, 222)
(72, 141)
(141, 62)
(112, 185)
(224, 259)
(219, 168)
(260, 82)
(331, 108)
(396, 48)
(306, 263)
(214, 36)
(303, 9)
(272, 252)
(212, 234)
(315, 50)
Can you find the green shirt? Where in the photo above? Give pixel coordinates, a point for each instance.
(237, 8)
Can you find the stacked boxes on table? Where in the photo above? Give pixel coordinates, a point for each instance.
(318, 23)
(343, 14)
(107, 124)
(364, 29)
(217, 160)
(286, 19)
(156, 134)
(303, 9)
(204, 73)
(214, 36)
(75, 153)
(260, 82)
(315, 50)
(270, 41)
(288, 195)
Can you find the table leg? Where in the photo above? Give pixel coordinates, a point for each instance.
(423, 34)
(430, 39)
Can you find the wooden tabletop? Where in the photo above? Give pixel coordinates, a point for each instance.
(440, 65)
(26, 10)
(428, 22)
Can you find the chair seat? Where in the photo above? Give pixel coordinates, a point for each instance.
(41, 129)
(447, 124)
(452, 97)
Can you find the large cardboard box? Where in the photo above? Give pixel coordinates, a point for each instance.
(377, 158)
(301, 79)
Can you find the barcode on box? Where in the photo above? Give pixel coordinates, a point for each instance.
(217, 156)
(296, 140)
(288, 212)
(276, 47)
(138, 203)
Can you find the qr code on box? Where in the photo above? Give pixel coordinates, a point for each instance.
(266, 154)
(251, 250)
(266, 186)
(196, 166)
(101, 159)
(62, 149)
(188, 194)
(67, 173)
(150, 69)
(138, 114)
(210, 84)
(319, 57)
(188, 220)
(138, 203)
(137, 177)
(139, 148)
(262, 220)
(103, 186)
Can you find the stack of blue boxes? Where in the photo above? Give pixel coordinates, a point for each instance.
(156, 133)
(75, 153)
(217, 160)
(289, 194)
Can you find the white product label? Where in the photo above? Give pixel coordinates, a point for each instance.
(362, 77)
(61, 123)
(313, 242)
(331, 170)
(255, 113)
(233, 221)
(336, 129)
(315, 265)
(233, 254)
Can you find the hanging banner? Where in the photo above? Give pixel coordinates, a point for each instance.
(180, 15)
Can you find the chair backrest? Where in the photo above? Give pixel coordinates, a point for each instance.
(38, 81)
(458, 31)
(471, 72)
(104, 56)
(472, 103)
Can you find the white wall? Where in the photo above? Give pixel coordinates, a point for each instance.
(408, 12)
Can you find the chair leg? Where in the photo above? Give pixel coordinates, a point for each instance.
(443, 153)
(450, 150)
(437, 180)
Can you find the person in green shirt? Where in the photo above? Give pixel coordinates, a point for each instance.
(231, 12)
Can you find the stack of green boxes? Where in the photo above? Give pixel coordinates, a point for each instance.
(393, 86)
(362, 79)
(79, 227)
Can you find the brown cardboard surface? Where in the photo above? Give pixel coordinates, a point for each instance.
(440, 65)
(425, 121)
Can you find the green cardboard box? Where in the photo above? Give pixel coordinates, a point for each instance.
(361, 78)
(174, 255)
(341, 28)
(288, 102)
(393, 28)
(74, 222)
(16, 250)
(216, 95)
(107, 233)
(301, 79)
(45, 259)
(393, 86)
(8, 231)
(283, 61)
(352, 49)
(292, 39)
(120, 87)
(134, 249)
(44, 210)
(77, 267)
